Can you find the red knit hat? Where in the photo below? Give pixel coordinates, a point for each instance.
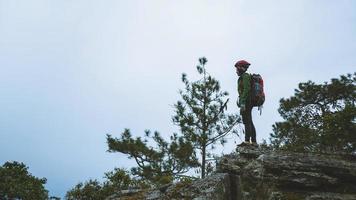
(242, 63)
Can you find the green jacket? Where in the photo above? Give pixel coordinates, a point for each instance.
(244, 88)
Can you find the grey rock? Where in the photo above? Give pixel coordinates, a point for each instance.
(330, 196)
(253, 173)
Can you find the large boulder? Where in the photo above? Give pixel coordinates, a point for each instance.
(265, 174)
(253, 173)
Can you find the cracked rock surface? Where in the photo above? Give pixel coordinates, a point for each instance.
(253, 173)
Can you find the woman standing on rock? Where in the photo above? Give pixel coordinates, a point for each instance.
(244, 102)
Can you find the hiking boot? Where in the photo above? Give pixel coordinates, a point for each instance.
(243, 144)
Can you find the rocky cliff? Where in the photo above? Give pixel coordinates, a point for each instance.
(260, 174)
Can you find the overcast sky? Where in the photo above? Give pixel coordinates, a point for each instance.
(73, 71)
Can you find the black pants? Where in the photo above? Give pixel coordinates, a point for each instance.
(250, 131)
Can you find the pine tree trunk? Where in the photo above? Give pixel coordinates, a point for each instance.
(203, 162)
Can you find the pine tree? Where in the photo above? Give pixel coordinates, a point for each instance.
(201, 114)
(16, 182)
(160, 164)
(318, 117)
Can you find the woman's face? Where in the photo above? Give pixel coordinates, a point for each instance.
(239, 70)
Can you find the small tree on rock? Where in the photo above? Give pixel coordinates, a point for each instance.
(201, 115)
(159, 165)
(318, 117)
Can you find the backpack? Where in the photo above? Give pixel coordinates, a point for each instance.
(257, 93)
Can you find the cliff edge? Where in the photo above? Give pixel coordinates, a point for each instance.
(253, 173)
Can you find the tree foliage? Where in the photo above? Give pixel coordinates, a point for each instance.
(91, 189)
(17, 183)
(116, 180)
(201, 113)
(319, 117)
(160, 164)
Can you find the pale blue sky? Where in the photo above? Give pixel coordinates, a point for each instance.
(72, 71)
